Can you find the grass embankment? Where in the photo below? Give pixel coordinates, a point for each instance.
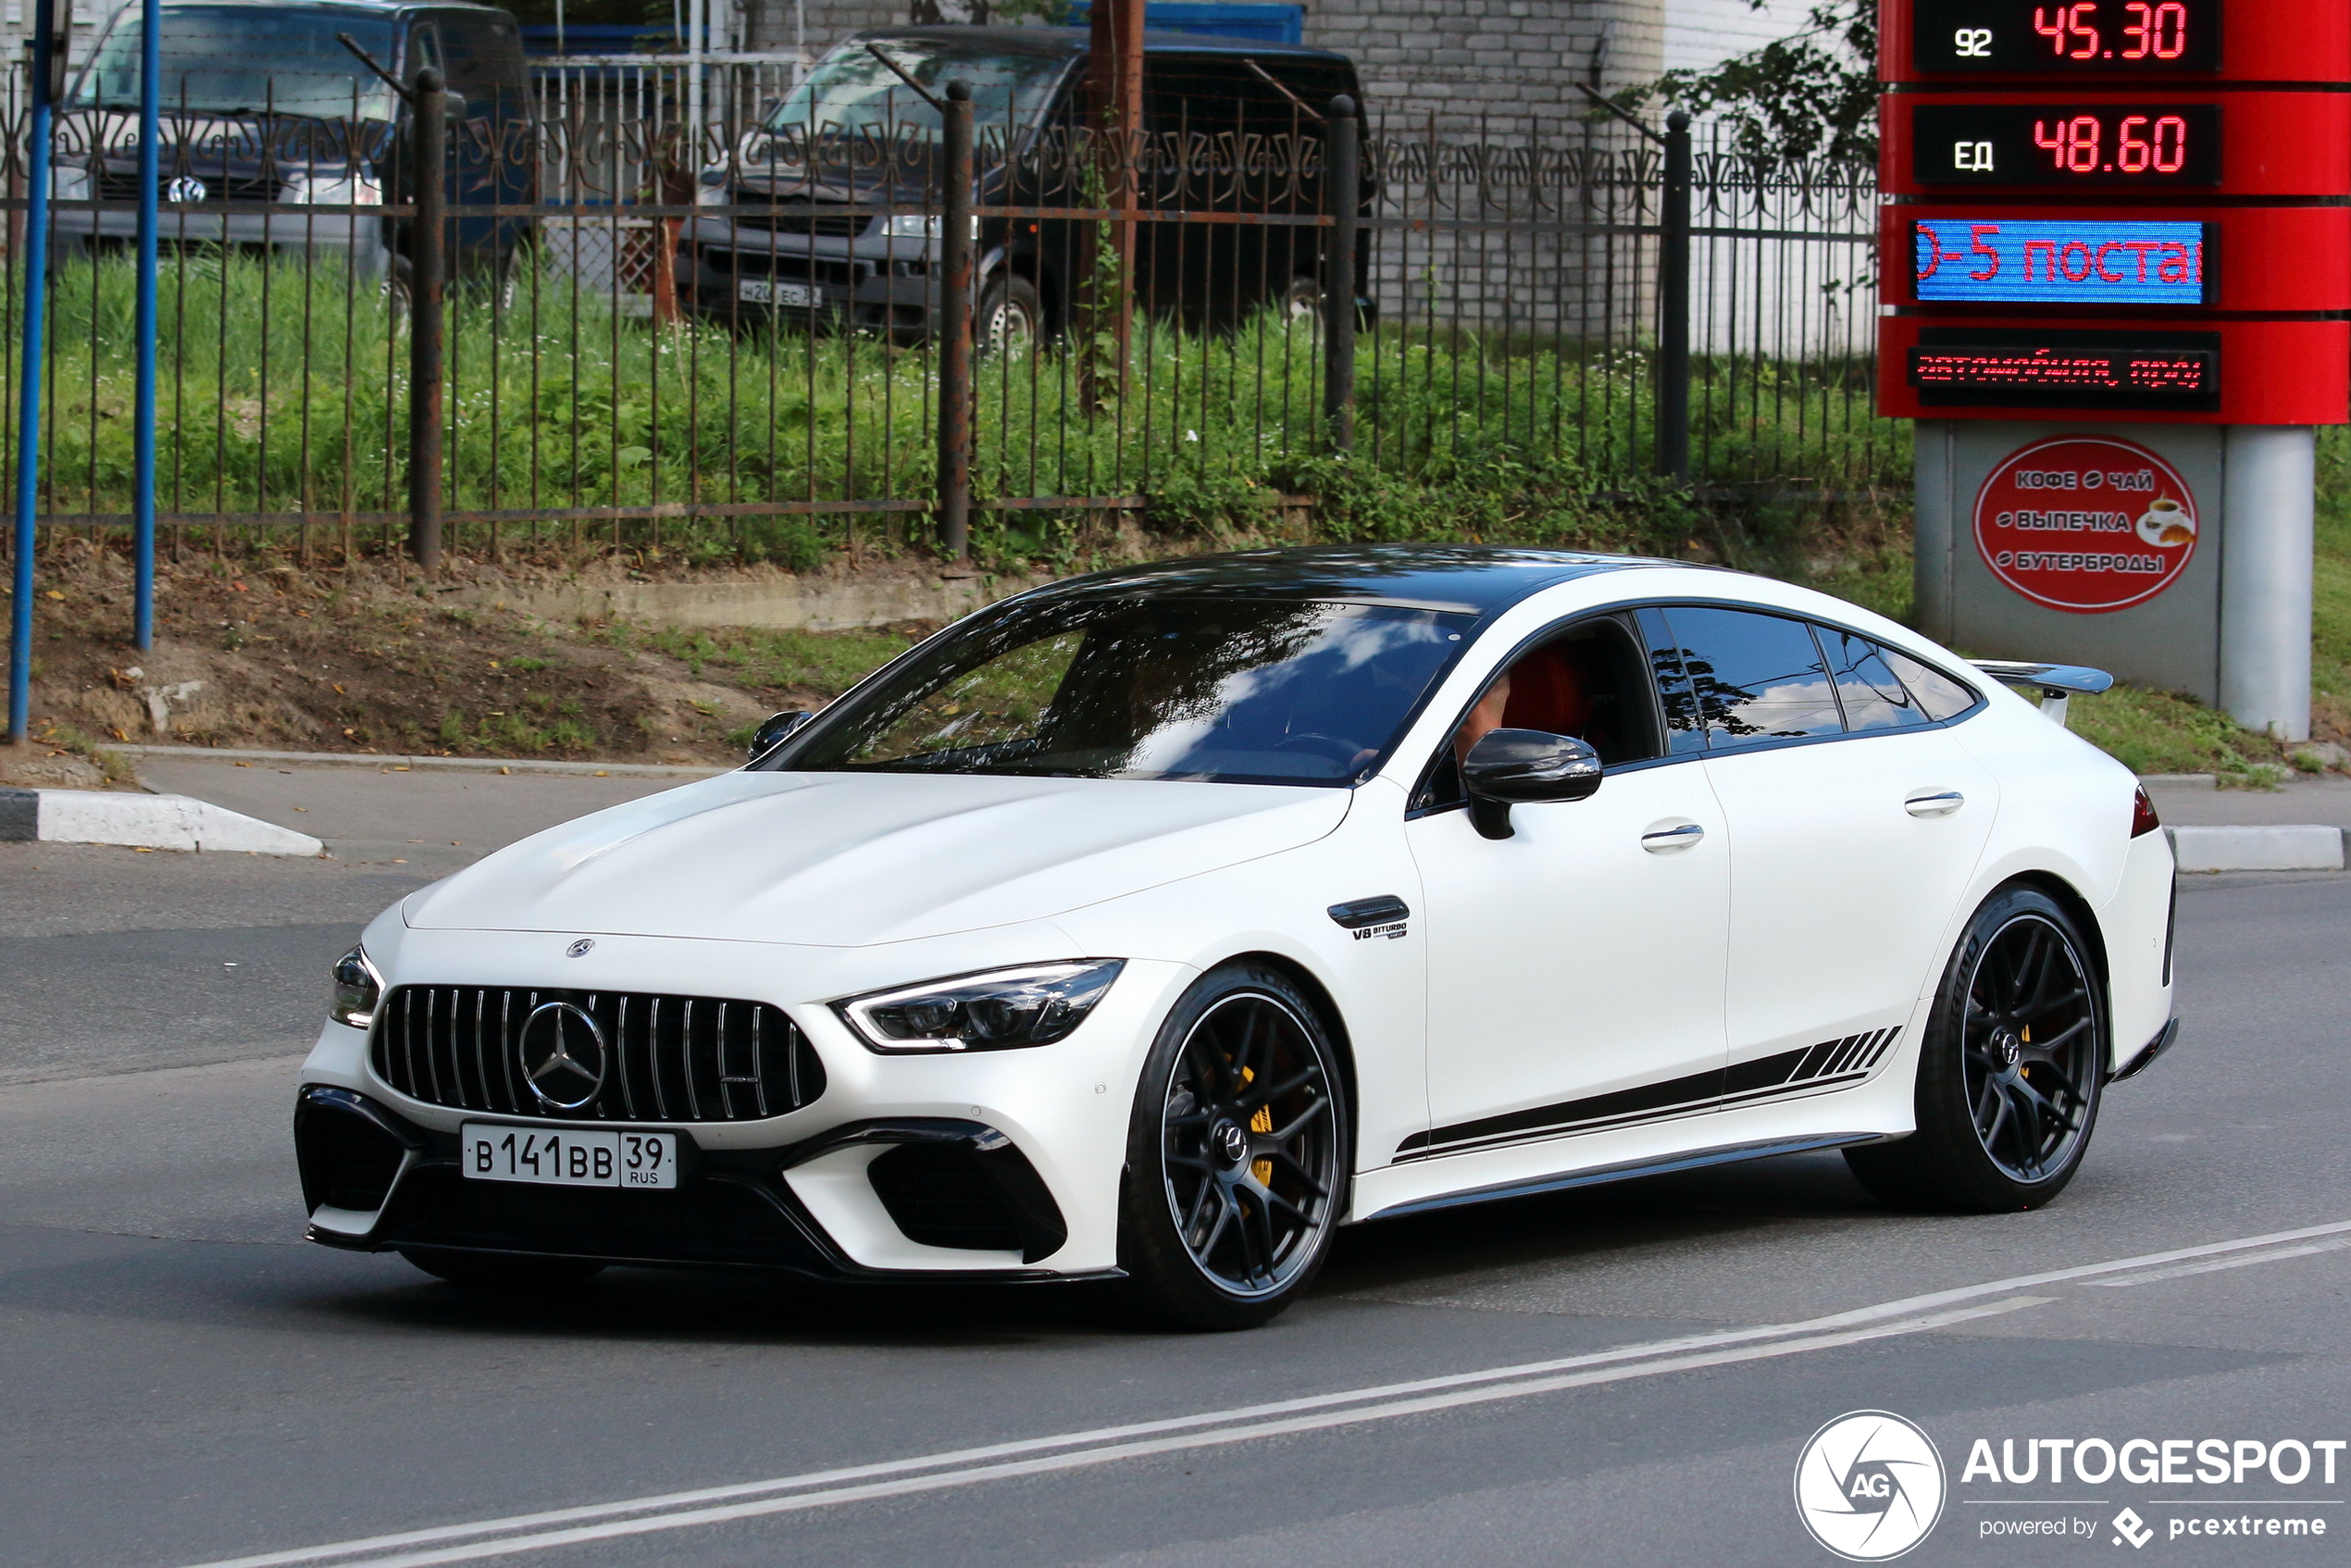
(284, 390)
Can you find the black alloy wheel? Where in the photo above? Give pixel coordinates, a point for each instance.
(1237, 1155)
(2026, 1095)
(2012, 1071)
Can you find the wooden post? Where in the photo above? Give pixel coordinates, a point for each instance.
(425, 282)
(1342, 198)
(1114, 83)
(955, 324)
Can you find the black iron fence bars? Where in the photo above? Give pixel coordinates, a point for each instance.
(928, 319)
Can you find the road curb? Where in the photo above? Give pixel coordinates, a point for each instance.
(144, 822)
(2298, 847)
(392, 763)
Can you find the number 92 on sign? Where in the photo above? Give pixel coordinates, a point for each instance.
(568, 1156)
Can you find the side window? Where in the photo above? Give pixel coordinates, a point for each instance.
(1756, 677)
(1939, 696)
(478, 57)
(1685, 730)
(1872, 697)
(1590, 681)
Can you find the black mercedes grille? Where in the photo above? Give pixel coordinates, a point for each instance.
(654, 1058)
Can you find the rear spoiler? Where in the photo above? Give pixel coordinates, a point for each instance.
(2056, 683)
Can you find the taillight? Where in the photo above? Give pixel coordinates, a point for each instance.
(2143, 818)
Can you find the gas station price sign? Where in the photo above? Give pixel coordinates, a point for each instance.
(2059, 261)
(2076, 145)
(2090, 38)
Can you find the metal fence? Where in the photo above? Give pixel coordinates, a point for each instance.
(723, 332)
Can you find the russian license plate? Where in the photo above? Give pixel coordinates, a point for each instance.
(766, 291)
(569, 1157)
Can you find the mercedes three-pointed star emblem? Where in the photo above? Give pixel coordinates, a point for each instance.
(563, 1055)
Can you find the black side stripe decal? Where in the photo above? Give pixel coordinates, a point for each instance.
(1808, 1067)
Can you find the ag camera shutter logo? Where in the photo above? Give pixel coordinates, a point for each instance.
(1868, 1486)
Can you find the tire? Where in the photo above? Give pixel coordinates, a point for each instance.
(1011, 318)
(1301, 303)
(2003, 1121)
(504, 1273)
(1232, 1193)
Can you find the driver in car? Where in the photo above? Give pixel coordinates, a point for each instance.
(1484, 718)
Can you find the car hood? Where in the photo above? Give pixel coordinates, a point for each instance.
(849, 859)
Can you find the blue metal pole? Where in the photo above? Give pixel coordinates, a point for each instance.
(36, 269)
(142, 482)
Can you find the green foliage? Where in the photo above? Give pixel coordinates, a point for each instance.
(1812, 94)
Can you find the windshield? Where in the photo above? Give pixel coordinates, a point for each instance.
(850, 93)
(248, 60)
(1231, 692)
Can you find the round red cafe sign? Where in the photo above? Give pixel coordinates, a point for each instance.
(2085, 523)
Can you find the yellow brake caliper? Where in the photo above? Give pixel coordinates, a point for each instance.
(1262, 1122)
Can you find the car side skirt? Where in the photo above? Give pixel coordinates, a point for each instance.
(1691, 1160)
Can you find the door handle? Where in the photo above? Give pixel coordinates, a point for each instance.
(1662, 841)
(1934, 802)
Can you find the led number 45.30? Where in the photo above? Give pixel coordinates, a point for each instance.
(2091, 37)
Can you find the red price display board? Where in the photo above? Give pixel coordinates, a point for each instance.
(2085, 524)
(2126, 208)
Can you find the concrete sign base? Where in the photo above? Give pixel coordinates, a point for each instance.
(2177, 557)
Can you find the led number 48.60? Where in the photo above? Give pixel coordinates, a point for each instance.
(2143, 144)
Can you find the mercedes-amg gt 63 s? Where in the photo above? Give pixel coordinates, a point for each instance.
(1149, 926)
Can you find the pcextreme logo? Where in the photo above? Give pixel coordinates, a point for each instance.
(1868, 1486)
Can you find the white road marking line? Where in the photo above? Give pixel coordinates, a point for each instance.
(1109, 1453)
(2213, 1265)
(1095, 1439)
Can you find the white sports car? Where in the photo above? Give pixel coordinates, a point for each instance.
(1152, 925)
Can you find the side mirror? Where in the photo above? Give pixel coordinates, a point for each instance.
(772, 732)
(1509, 766)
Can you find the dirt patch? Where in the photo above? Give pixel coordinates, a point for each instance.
(366, 658)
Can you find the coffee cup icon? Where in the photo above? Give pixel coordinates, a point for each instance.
(2166, 523)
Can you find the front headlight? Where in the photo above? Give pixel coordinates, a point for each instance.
(68, 183)
(345, 190)
(910, 225)
(357, 987)
(1000, 1010)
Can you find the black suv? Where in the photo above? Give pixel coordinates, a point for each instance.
(827, 212)
(262, 103)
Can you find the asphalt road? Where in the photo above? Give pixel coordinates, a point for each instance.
(184, 1382)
